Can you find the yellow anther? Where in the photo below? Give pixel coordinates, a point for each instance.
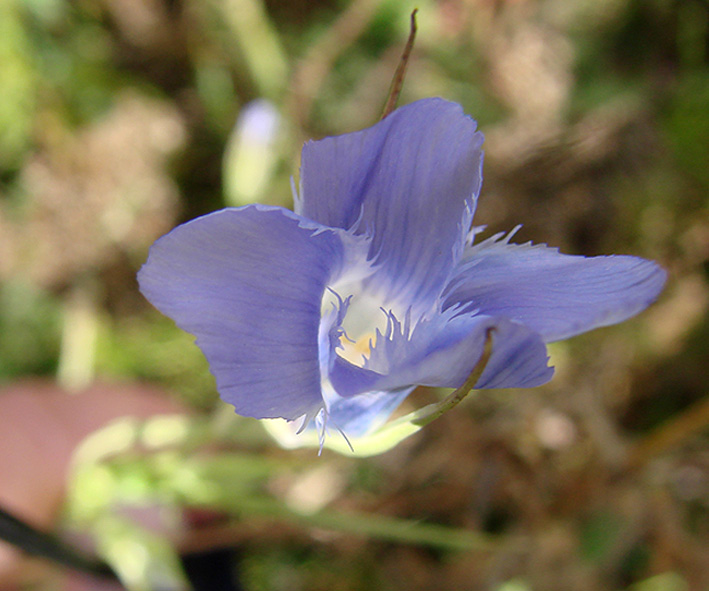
(353, 352)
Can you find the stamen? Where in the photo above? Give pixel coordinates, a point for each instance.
(321, 426)
(349, 444)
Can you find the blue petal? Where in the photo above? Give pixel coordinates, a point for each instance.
(248, 284)
(362, 414)
(442, 352)
(556, 295)
(411, 181)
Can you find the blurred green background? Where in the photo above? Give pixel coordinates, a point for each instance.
(121, 118)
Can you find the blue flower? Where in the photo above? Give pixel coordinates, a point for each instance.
(375, 285)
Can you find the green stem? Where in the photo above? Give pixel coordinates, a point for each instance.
(431, 412)
(372, 526)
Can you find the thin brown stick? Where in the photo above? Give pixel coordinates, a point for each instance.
(398, 82)
(670, 434)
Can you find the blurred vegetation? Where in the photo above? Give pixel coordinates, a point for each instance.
(121, 118)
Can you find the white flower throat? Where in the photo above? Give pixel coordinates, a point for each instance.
(365, 316)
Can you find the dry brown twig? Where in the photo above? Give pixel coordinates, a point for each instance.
(398, 82)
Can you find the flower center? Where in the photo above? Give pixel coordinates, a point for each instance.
(356, 351)
(364, 317)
